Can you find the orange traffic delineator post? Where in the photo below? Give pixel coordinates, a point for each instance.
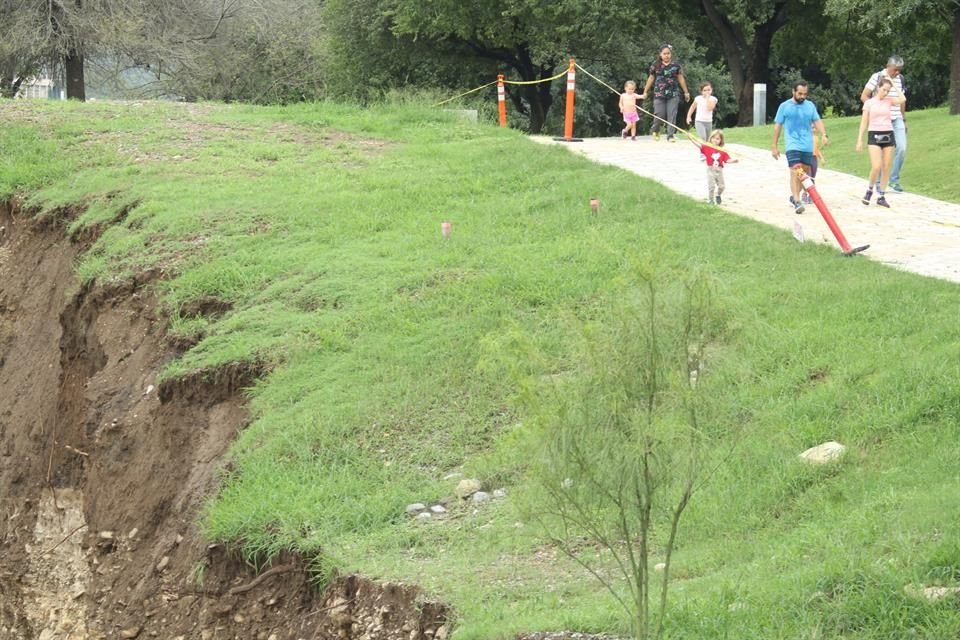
(501, 100)
(571, 94)
(811, 188)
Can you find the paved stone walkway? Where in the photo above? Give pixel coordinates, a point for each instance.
(915, 234)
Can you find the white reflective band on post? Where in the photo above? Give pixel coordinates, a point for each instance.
(807, 183)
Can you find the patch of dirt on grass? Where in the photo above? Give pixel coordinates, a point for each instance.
(102, 478)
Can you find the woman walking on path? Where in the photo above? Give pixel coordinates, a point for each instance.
(667, 80)
(877, 122)
(894, 72)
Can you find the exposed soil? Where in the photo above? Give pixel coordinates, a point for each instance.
(103, 474)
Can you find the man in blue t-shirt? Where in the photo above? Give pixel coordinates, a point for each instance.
(794, 117)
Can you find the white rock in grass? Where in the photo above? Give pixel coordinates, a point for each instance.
(425, 515)
(438, 508)
(415, 508)
(499, 493)
(660, 566)
(480, 497)
(468, 487)
(824, 453)
(938, 593)
(931, 594)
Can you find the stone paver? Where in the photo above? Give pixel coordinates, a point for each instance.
(916, 234)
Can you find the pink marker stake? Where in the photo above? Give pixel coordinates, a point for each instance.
(446, 228)
(595, 205)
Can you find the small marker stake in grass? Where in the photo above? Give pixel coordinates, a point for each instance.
(798, 232)
(595, 205)
(446, 228)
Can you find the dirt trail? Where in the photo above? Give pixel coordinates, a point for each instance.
(916, 233)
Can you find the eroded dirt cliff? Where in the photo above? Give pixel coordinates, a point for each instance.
(103, 474)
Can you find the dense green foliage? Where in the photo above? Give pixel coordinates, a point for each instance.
(283, 51)
(397, 357)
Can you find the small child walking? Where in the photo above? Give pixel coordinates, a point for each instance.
(703, 104)
(628, 107)
(716, 158)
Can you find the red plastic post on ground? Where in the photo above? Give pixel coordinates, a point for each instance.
(501, 100)
(811, 189)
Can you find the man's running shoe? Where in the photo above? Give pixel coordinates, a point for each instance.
(797, 205)
(895, 187)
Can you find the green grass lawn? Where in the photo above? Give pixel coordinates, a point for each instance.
(927, 170)
(393, 354)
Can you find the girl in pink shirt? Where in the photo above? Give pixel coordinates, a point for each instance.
(876, 121)
(628, 107)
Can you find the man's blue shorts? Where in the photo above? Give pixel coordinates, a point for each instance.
(799, 157)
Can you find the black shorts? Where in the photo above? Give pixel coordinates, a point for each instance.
(881, 139)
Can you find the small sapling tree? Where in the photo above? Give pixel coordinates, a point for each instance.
(623, 449)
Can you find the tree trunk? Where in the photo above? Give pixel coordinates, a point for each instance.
(73, 64)
(9, 85)
(748, 61)
(540, 100)
(955, 66)
(538, 96)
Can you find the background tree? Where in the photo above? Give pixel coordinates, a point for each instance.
(745, 30)
(529, 39)
(21, 47)
(260, 52)
(926, 19)
(43, 34)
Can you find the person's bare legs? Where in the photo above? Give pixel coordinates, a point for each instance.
(887, 162)
(876, 163)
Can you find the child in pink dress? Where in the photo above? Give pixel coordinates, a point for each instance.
(628, 107)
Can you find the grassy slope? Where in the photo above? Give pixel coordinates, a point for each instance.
(320, 225)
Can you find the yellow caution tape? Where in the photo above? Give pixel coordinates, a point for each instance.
(559, 75)
(598, 79)
(466, 93)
